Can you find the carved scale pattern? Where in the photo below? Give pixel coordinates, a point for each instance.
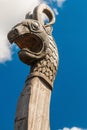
(46, 68)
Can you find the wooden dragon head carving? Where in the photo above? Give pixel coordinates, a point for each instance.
(37, 46)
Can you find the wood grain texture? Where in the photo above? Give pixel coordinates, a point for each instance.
(33, 106)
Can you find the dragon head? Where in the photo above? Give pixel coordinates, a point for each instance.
(37, 46)
(31, 35)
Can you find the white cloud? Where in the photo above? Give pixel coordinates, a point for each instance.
(73, 128)
(11, 12)
(60, 3)
(5, 50)
(55, 4)
(55, 11)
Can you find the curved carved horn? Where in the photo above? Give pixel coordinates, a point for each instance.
(42, 8)
(28, 15)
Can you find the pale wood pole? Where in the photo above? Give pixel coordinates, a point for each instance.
(38, 49)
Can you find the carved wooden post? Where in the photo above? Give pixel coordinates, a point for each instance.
(38, 49)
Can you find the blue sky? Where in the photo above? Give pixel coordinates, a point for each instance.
(69, 97)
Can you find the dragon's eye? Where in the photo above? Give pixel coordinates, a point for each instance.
(35, 25)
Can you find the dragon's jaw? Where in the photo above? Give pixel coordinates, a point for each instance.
(31, 42)
(31, 47)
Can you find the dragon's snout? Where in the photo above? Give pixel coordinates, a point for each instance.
(30, 44)
(12, 35)
(16, 32)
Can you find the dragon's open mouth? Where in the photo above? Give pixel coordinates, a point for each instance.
(30, 42)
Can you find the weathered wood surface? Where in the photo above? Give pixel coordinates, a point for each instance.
(33, 106)
(37, 49)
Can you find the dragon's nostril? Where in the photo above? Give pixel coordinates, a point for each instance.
(15, 31)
